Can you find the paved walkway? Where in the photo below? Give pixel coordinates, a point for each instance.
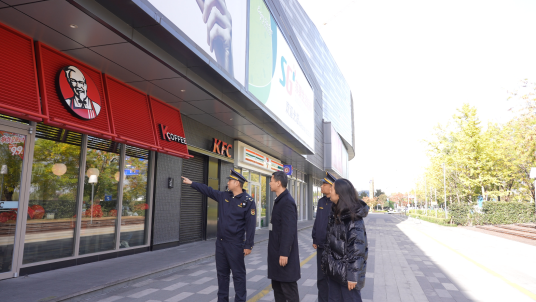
(483, 267)
(409, 260)
(77, 282)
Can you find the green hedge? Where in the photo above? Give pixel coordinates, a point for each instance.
(461, 213)
(507, 212)
(440, 221)
(492, 213)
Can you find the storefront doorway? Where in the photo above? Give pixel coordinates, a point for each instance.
(14, 145)
(257, 187)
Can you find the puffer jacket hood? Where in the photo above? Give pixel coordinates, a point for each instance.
(346, 250)
(360, 212)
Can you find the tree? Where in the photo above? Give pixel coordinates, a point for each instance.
(399, 198)
(362, 194)
(493, 162)
(382, 200)
(378, 193)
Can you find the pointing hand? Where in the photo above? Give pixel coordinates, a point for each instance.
(186, 180)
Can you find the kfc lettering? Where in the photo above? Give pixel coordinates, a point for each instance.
(225, 147)
(166, 135)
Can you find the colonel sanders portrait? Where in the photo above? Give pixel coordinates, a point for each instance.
(80, 103)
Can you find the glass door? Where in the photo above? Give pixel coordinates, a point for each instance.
(13, 149)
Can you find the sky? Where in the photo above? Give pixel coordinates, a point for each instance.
(410, 64)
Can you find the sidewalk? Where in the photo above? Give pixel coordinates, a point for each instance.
(80, 282)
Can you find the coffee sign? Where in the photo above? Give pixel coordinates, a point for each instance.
(166, 135)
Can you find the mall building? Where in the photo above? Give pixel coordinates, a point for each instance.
(104, 104)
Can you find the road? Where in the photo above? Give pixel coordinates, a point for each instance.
(408, 261)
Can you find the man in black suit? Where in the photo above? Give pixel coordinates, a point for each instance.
(283, 253)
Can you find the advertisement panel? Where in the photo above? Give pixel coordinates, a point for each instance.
(336, 152)
(217, 27)
(275, 77)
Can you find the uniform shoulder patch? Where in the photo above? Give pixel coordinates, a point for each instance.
(252, 211)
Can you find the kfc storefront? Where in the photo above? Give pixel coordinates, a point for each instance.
(77, 159)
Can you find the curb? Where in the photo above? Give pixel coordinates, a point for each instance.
(111, 286)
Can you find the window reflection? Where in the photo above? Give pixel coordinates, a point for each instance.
(135, 206)
(53, 191)
(99, 209)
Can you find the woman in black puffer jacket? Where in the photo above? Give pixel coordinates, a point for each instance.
(344, 260)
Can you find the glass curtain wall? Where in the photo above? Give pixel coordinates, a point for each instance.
(99, 209)
(54, 196)
(135, 207)
(52, 208)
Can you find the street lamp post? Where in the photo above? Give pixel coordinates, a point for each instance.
(445, 189)
(426, 197)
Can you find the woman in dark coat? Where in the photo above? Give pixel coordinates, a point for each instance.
(344, 260)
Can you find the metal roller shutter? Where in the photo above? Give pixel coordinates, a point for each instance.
(192, 202)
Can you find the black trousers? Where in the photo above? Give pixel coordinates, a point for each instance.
(285, 291)
(230, 257)
(322, 281)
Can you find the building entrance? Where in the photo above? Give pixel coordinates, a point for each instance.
(14, 146)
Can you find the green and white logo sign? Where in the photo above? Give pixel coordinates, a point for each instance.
(275, 77)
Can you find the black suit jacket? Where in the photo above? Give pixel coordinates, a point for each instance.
(283, 240)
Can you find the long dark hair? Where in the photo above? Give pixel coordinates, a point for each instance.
(348, 202)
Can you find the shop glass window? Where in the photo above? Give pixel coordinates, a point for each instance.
(245, 173)
(255, 177)
(53, 195)
(134, 212)
(297, 198)
(99, 208)
(11, 157)
(264, 201)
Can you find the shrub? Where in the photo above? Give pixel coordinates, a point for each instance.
(461, 213)
(507, 212)
(440, 221)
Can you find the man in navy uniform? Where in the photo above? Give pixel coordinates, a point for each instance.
(236, 232)
(319, 234)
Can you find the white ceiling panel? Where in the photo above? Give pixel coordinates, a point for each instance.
(231, 118)
(211, 106)
(17, 2)
(135, 60)
(88, 32)
(104, 65)
(153, 90)
(36, 30)
(249, 129)
(187, 109)
(182, 88)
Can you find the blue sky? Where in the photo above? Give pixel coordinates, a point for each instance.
(410, 64)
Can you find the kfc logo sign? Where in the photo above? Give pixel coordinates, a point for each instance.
(78, 93)
(166, 135)
(223, 150)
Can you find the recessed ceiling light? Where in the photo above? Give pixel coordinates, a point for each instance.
(183, 90)
(73, 26)
(231, 119)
